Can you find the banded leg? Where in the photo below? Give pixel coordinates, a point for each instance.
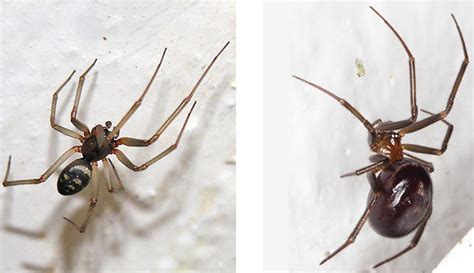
(79, 125)
(441, 115)
(142, 142)
(124, 159)
(355, 232)
(413, 242)
(52, 119)
(111, 175)
(344, 103)
(428, 150)
(93, 200)
(371, 168)
(389, 125)
(45, 175)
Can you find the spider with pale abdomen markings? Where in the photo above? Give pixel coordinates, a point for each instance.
(102, 141)
(400, 199)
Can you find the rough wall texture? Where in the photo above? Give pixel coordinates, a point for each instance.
(179, 214)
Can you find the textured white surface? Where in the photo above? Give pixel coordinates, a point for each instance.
(179, 214)
(460, 257)
(310, 140)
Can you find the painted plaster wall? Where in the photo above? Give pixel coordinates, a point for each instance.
(179, 214)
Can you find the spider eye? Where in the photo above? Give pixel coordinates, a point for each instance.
(108, 124)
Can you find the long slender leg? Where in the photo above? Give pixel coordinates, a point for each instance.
(428, 150)
(141, 142)
(45, 175)
(52, 119)
(111, 175)
(394, 125)
(121, 156)
(355, 232)
(411, 66)
(344, 103)
(413, 242)
(441, 115)
(138, 102)
(426, 164)
(93, 200)
(371, 168)
(107, 172)
(79, 125)
(117, 176)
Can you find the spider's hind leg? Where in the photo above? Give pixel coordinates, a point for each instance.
(358, 227)
(93, 200)
(413, 242)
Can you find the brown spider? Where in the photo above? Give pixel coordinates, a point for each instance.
(98, 143)
(400, 199)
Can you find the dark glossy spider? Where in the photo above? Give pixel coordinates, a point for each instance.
(101, 141)
(400, 199)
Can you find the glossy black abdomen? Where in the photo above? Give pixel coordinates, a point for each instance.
(74, 177)
(405, 196)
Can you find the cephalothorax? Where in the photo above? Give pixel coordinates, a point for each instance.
(400, 199)
(100, 142)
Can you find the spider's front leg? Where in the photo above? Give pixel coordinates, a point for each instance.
(441, 115)
(79, 125)
(394, 125)
(124, 159)
(128, 141)
(52, 118)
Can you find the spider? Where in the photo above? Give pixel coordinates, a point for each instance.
(100, 142)
(400, 199)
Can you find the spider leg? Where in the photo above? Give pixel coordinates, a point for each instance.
(426, 164)
(79, 125)
(111, 174)
(137, 103)
(427, 150)
(355, 232)
(441, 115)
(124, 159)
(45, 175)
(411, 66)
(371, 168)
(344, 103)
(52, 119)
(93, 200)
(413, 242)
(119, 181)
(141, 142)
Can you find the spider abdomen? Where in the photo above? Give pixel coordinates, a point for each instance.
(405, 197)
(74, 177)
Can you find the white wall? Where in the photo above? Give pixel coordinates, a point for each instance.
(179, 214)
